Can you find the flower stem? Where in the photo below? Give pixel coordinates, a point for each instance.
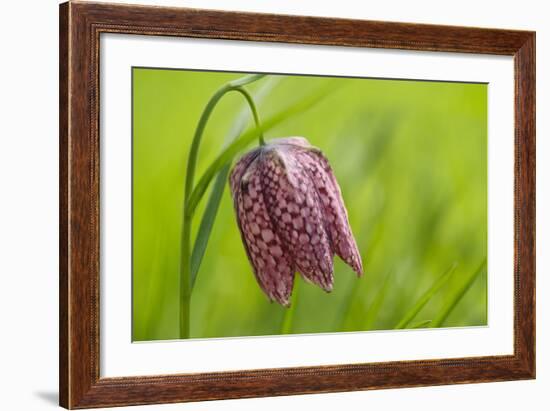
(246, 138)
(250, 101)
(188, 212)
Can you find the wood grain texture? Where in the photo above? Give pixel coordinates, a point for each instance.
(524, 203)
(80, 27)
(63, 205)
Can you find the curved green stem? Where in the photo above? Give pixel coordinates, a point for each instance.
(185, 268)
(252, 105)
(246, 138)
(236, 85)
(210, 212)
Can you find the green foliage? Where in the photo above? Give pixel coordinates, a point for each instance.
(411, 159)
(421, 324)
(426, 297)
(288, 318)
(459, 292)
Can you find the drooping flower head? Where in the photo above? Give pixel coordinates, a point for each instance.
(291, 216)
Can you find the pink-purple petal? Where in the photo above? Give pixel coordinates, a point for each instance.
(291, 216)
(240, 168)
(272, 267)
(336, 217)
(292, 201)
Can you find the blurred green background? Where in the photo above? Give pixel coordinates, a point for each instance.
(411, 160)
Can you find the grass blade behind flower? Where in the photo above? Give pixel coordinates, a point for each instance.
(421, 324)
(425, 298)
(207, 223)
(374, 308)
(451, 304)
(288, 319)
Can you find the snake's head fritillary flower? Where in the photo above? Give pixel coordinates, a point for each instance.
(291, 216)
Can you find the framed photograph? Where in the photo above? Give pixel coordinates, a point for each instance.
(258, 205)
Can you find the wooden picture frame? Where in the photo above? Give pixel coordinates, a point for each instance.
(81, 24)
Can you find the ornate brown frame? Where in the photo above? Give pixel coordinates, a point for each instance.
(81, 24)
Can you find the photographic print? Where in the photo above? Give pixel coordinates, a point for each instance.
(271, 204)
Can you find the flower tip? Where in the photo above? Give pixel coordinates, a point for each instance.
(281, 300)
(357, 266)
(285, 302)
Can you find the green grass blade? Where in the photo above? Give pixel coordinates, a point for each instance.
(374, 308)
(452, 303)
(211, 210)
(425, 298)
(288, 320)
(207, 223)
(354, 305)
(422, 324)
